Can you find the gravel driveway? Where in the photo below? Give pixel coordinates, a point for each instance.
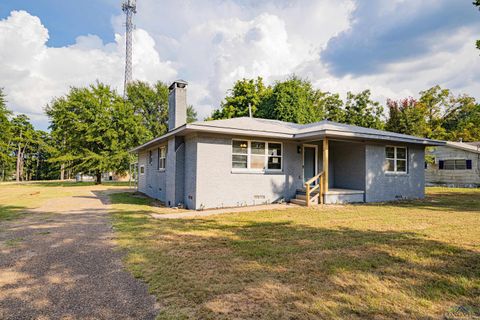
(61, 263)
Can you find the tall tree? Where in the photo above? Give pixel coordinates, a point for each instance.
(293, 100)
(244, 94)
(5, 137)
(192, 115)
(23, 138)
(151, 102)
(96, 128)
(361, 110)
(332, 106)
(462, 120)
(407, 116)
(436, 101)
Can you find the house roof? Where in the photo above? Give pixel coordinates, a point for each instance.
(257, 127)
(474, 143)
(464, 146)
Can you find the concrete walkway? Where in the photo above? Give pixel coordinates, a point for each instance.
(61, 263)
(205, 213)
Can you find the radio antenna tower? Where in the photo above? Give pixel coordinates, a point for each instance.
(130, 8)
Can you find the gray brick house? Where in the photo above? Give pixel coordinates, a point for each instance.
(457, 164)
(249, 161)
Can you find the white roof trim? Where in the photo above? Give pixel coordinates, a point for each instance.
(463, 146)
(289, 131)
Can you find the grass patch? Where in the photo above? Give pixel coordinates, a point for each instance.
(10, 212)
(416, 259)
(14, 242)
(138, 202)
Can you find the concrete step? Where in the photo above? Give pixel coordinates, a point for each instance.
(313, 197)
(304, 192)
(301, 196)
(299, 202)
(302, 200)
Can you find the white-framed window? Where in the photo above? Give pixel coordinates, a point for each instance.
(256, 155)
(396, 159)
(162, 158)
(150, 157)
(142, 170)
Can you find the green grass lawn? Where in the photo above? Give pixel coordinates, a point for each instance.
(417, 259)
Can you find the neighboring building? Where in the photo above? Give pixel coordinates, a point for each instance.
(457, 164)
(106, 176)
(248, 161)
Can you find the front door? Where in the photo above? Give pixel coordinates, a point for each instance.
(309, 162)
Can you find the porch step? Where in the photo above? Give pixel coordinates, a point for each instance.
(299, 202)
(304, 192)
(301, 199)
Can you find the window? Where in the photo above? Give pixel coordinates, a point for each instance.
(142, 169)
(150, 157)
(240, 154)
(162, 158)
(455, 164)
(256, 155)
(274, 156)
(396, 159)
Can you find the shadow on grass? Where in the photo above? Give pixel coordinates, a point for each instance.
(131, 197)
(52, 266)
(441, 200)
(11, 212)
(214, 268)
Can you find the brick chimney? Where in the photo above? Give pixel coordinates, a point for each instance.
(177, 104)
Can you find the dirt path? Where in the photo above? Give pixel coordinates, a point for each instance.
(61, 263)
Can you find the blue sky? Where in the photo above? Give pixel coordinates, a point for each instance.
(395, 48)
(68, 19)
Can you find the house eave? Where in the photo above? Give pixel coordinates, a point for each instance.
(147, 144)
(318, 134)
(467, 148)
(366, 136)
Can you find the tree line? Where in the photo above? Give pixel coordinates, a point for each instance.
(93, 128)
(91, 132)
(437, 114)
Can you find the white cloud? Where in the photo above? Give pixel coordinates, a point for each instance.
(215, 43)
(33, 73)
(454, 64)
(212, 43)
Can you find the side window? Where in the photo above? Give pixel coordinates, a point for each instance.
(455, 164)
(396, 158)
(142, 170)
(162, 158)
(150, 157)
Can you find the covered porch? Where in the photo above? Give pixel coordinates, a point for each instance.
(333, 172)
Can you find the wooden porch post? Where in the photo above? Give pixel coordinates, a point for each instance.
(325, 165)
